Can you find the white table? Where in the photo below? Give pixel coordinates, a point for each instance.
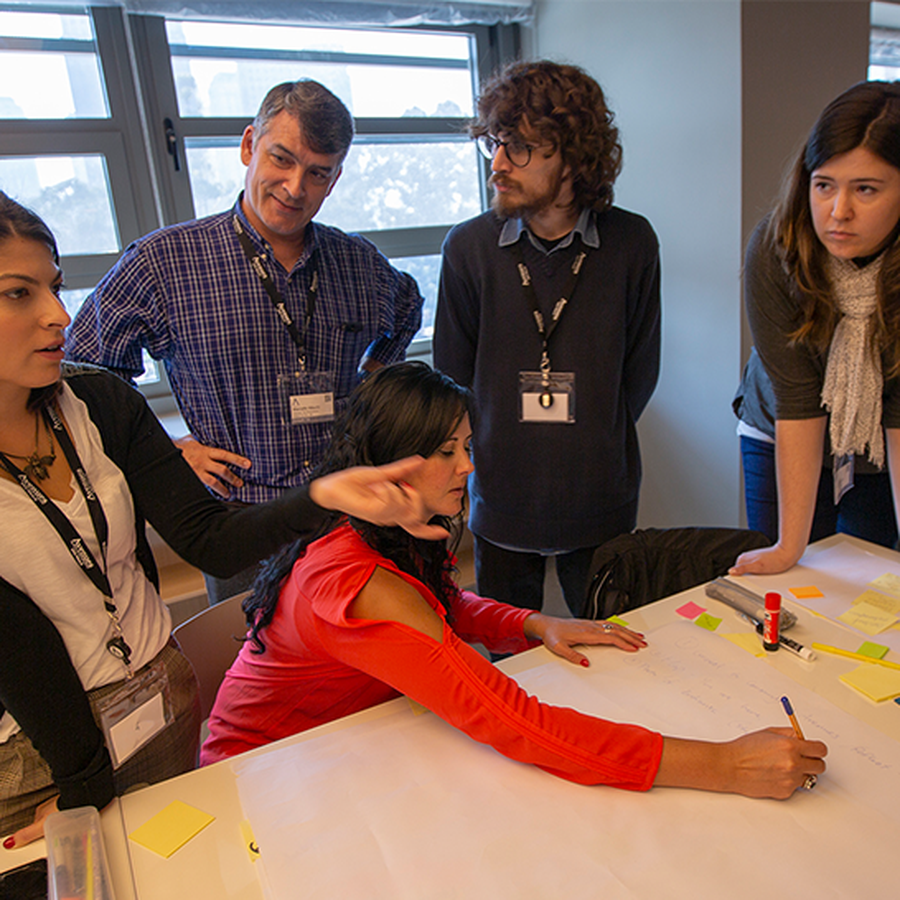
(444, 817)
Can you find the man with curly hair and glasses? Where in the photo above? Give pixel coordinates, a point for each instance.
(549, 311)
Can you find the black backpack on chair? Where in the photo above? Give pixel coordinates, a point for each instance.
(634, 569)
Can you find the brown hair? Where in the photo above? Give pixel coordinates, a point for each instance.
(19, 221)
(567, 109)
(867, 115)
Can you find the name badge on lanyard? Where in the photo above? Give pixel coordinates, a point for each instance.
(306, 397)
(548, 396)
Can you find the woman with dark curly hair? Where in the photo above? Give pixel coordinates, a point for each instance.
(365, 613)
(822, 287)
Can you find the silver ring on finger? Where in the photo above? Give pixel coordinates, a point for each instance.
(810, 782)
(607, 627)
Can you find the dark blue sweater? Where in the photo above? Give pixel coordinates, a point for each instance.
(542, 486)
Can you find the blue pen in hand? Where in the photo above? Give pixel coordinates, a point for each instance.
(811, 780)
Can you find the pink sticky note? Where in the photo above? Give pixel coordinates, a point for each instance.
(690, 610)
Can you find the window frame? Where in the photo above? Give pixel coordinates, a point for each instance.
(147, 192)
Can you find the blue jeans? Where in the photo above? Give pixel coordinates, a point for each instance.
(866, 511)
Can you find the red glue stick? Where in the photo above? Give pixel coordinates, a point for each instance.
(771, 625)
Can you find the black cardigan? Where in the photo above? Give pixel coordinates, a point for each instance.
(38, 683)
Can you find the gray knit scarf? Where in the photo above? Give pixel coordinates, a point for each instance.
(853, 380)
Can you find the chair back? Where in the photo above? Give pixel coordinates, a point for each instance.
(634, 569)
(210, 641)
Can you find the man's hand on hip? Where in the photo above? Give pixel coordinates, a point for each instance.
(211, 465)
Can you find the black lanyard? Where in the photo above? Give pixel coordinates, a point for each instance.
(257, 262)
(556, 314)
(75, 544)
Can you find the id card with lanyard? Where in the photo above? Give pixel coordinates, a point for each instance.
(545, 395)
(305, 397)
(136, 711)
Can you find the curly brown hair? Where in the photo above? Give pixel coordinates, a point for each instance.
(867, 115)
(568, 110)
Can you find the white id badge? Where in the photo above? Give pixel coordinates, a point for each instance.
(553, 402)
(843, 476)
(135, 713)
(306, 397)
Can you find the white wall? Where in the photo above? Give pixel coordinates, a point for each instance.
(671, 71)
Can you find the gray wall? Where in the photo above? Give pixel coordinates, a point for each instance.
(711, 97)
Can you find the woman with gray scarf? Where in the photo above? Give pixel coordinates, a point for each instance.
(822, 287)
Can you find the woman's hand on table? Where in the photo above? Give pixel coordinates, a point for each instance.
(35, 831)
(770, 763)
(562, 636)
(766, 561)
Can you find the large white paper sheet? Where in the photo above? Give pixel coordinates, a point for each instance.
(841, 572)
(407, 808)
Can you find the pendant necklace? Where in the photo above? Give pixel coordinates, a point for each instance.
(37, 467)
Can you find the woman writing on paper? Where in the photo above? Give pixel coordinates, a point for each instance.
(822, 287)
(366, 612)
(84, 632)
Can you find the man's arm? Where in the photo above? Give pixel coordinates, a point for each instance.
(644, 337)
(402, 296)
(456, 323)
(121, 317)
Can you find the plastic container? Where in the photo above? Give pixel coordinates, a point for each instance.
(76, 858)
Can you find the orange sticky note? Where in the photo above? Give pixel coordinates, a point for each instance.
(806, 593)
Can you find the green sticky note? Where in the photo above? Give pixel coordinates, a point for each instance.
(705, 620)
(618, 621)
(869, 648)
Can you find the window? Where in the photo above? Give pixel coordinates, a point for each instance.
(104, 164)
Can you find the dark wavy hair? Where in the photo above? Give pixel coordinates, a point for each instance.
(568, 110)
(398, 411)
(867, 115)
(327, 124)
(19, 221)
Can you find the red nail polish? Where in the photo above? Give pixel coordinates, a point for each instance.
(9, 843)
(585, 663)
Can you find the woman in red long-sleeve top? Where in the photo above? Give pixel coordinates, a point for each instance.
(366, 613)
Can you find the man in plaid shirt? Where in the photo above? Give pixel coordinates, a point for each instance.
(265, 320)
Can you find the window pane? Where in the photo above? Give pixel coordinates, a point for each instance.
(216, 172)
(49, 68)
(404, 184)
(426, 270)
(225, 70)
(400, 184)
(71, 193)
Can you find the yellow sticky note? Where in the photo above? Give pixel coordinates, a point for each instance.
(416, 707)
(618, 621)
(806, 593)
(249, 841)
(868, 619)
(747, 641)
(888, 582)
(876, 682)
(880, 601)
(705, 620)
(171, 828)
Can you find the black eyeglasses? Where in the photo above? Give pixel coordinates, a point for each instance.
(517, 151)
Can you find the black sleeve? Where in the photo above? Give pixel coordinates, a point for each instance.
(217, 537)
(456, 321)
(41, 690)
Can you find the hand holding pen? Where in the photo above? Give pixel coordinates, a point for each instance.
(811, 780)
